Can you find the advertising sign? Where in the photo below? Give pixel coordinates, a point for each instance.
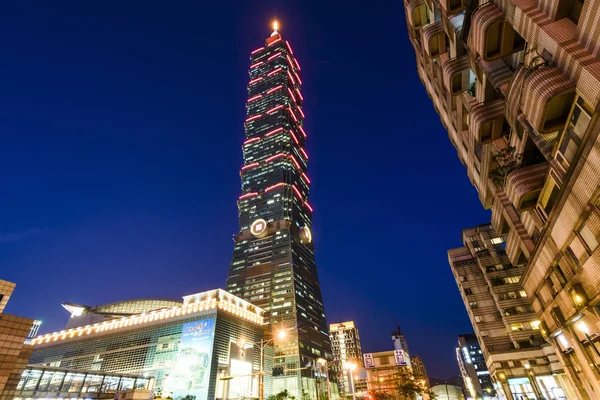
(192, 373)
(368, 359)
(399, 356)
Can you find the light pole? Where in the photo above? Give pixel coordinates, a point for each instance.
(350, 367)
(324, 363)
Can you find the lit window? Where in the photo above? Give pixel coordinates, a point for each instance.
(497, 240)
(589, 238)
(535, 324)
(522, 293)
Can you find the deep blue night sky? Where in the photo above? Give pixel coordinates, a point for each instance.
(121, 126)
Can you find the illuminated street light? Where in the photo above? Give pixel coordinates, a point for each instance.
(324, 363)
(350, 366)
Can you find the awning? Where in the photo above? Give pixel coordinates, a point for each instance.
(486, 120)
(411, 8)
(497, 72)
(524, 185)
(430, 33)
(483, 18)
(451, 68)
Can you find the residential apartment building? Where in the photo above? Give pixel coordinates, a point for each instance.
(345, 347)
(419, 370)
(517, 86)
(473, 369)
(14, 353)
(519, 361)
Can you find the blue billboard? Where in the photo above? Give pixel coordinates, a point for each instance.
(192, 372)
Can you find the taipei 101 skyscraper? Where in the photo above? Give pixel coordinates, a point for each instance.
(273, 263)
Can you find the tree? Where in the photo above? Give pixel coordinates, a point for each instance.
(283, 395)
(507, 160)
(407, 386)
(380, 395)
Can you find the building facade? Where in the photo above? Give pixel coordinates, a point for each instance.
(14, 332)
(187, 349)
(345, 347)
(473, 368)
(382, 369)
(517, 86)
(507, 327)
(419, 370)
(445, 391)
(273, 264)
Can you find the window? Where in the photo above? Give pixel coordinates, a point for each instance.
(553, 289)
(522, 293)
(548, 198)
(473, 304)
(512, 279)
(478, 319)
(468, 291)
(580, 118)
(560, 275)
(535, 324)
(588, 237)
(497, 240)
(517, 327)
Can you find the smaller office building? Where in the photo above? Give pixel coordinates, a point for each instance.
(202, 347)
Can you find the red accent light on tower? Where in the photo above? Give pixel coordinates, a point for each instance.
(297, 77)
(248, 195)
(274, 187)
(294, 138)
(289, 47)
(303, 153)
(274, 89)
(301, 112)
(258, 96)
(299, 94)
(308, 206)
(276, 156)
(256, 139)
(295, 162)
(254, 164)
(292, 94)
(279, 107)
(276, 70)
(291, 78)
(274, 41)
(297, 192)
(256, 64)
(292, 114)
(297, 65)
(290, 62)
(302, 130)
(274, 131)
(257, 50)
(305, 177)
(253, 81)
(274, 56)
(253, 118)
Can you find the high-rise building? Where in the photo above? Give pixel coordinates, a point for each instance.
(473, 369)
(517, 86)
(273, 264)
(14, 353)
(504, 321)
(419, 370)
(400, 342)
(345, 346)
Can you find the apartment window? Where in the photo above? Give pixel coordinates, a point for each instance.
(553, 289)
(473, 304)
(522, 293)
(548, 198)
(560, 274)
(462, 278)
(535, 324)
(577, 126)
(512, 279)
(517, 327)
(588, 237)
(478, 319)
(468, 291)
(497, 240)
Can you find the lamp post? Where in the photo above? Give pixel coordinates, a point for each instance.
(350, 367)
(324, 363)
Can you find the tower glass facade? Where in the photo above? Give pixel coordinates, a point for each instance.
(273, 264)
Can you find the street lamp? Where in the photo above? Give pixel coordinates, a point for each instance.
(350, 367)
(262, 345)
(323, 362)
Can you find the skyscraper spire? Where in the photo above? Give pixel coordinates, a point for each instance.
(273, 263)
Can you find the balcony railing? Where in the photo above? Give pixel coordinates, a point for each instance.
(523, 185)
(434, 39)
(487, 121)
(491, 35)
(456, 75)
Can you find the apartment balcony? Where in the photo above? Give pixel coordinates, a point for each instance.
(487, 121)
(497, 74)
(546, 99)
(491, 35)
(453, 6)
(434, 39)
(457, 75)
(523, 185)
(417, 14)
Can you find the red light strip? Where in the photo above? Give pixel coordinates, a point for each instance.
(292, 113)
(302, 130)
(274, 41)
(299, 94)
(274, 89)
(245, 196)
(303, 153)
(290, 62)
(256, 64)
(258, 96)
(276, 156)
(254, 164)
(308, 206)
(301, 112)
(295, 162)
(274, 131)
(291, 78)
(289, 47)
(257, 50)
(260, 78)
(297, 192)
(305, 178)
(294, 138)
(276, 70)
(256, 139)
(292, 94)
(253, 118)
(297, 65)
(298, 78)
(274, 109)
(274, 56)
(274, 187)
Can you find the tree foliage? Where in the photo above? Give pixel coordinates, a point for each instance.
(283, 395)
(406, 385)
(507, 160)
